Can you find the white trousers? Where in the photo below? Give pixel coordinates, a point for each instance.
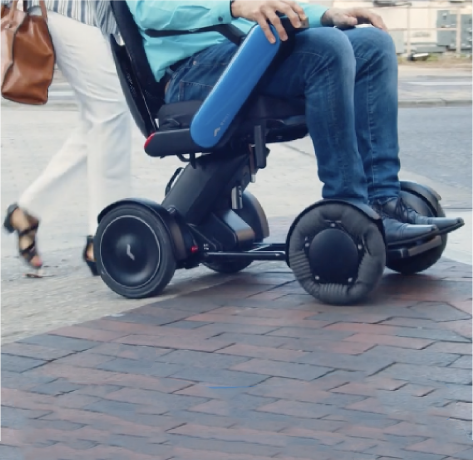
(99, 148)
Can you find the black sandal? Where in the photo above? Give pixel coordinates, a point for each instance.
(28, 253)
(90, 262)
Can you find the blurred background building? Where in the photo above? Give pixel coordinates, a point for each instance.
(437, 27)
(422, 26)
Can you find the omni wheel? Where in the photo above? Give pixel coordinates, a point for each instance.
(134, 252)
(420, 262)
(337, 253)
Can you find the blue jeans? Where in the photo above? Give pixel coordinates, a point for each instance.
(349, 81)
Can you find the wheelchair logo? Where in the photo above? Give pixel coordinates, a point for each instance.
(129, 253)
(217, 130)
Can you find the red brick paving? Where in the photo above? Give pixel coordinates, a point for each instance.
(252, 370)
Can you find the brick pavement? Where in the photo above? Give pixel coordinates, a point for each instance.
(252, 370)
(391, 379)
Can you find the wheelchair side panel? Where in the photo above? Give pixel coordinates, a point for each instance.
(233, 88)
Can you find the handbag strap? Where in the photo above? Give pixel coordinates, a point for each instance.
(42, 6)
(14, 6)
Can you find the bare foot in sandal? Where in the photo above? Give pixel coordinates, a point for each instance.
(26, 227)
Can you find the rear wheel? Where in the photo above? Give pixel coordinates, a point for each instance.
(134, 252)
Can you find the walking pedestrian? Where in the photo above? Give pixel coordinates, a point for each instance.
(99, 147)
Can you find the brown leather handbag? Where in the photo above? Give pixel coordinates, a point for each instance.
(27, 55)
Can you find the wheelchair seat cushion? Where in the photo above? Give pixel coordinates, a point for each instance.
(179, 115)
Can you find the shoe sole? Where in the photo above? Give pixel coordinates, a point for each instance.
(452, 228)
(445, 231)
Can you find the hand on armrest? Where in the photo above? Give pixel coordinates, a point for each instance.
(348, 18)
(269, 12)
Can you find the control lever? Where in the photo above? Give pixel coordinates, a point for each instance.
(290, 29)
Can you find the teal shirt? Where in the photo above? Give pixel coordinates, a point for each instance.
(188, 15)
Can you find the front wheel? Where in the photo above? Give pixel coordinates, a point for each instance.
(337, 253)
(420, 262)
(134, 252)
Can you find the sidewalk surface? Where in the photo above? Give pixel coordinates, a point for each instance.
(419, 86)
(244, 367)
(252, 370)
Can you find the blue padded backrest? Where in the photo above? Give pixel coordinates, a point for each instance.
(234, 87)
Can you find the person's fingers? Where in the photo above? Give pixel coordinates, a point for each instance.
(261, 19)
(368, 17)
(377, 21)
(343, 20)
(276, 22)
(291, 14)
(283, 7)
(297, 9)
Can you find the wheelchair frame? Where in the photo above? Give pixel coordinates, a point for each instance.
(220, 221)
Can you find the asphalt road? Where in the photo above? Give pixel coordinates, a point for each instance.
(436, 150)
(416, 84)
(436, 142)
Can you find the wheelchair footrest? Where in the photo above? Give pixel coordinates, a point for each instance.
(394, 253)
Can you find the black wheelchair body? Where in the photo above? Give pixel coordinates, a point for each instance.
(335, 248)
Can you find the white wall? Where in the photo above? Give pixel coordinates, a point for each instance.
(423, 15)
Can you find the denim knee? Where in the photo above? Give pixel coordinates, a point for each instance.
(326, 43)
(370, 42)
(378, 39)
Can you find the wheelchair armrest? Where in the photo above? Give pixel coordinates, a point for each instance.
(236, 84)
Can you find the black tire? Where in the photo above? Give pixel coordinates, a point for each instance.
(229, 266)
(337, 253)
(421, 262)
(134, 252)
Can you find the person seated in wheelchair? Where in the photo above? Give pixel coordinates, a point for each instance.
(347, 75)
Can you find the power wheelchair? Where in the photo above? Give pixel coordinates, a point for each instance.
(335, 248)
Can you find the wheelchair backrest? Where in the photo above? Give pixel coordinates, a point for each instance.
(143, 94)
